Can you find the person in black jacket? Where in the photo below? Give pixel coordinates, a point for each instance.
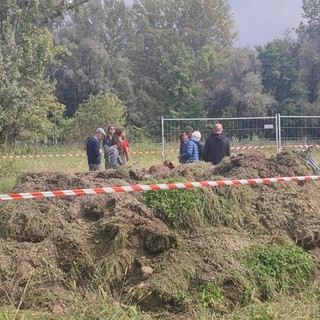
(217, 146)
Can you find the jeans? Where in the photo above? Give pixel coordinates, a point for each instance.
(94, 167)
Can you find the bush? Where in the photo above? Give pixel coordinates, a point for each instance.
(97, 111)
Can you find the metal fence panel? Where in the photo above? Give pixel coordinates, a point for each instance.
(253, 131)
(299, 130)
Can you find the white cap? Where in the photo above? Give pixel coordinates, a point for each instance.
(100, 130)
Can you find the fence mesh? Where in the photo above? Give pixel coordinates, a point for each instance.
(240, 131)
(299, 130)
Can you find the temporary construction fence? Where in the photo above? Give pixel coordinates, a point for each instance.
(275, 133)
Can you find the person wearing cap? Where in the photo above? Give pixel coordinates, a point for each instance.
(217, 146)
(94, 151)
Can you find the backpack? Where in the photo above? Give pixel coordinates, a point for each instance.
(112, 157)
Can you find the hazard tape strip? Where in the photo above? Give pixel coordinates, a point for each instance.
(302, 146)
(43, 156)
(251, 147)
(70, 155)
(150, 187)
(147, 152)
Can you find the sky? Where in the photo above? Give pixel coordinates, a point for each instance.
(261, 21)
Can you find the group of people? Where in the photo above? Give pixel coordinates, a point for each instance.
(114, 148)
(192, 149)
(216, 147)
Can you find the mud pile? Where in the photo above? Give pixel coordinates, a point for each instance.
(54, 249)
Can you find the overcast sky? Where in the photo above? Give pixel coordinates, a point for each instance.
(260, 21)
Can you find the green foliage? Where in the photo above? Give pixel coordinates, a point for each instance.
(98, 111)
(181, 92)
(238, 89)
(277, 268)
(27, 98)
(280, 75)
(180, 208)
(190, 208)
(210, 295)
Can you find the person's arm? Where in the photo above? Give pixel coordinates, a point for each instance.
(228, 149)
(97, 149)
(205, 151)
(125, 145)
(187, 154)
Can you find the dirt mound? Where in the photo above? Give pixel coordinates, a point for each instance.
(50, 245)
(256, 165)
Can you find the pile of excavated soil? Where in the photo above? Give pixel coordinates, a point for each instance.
(53, 247)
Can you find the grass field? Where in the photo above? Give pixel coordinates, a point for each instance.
(10, 169)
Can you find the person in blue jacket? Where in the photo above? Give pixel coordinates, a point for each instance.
(190, 151)
(94, 150)
(189, 130)
(196, 136)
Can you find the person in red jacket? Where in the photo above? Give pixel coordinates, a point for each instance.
(217, 146)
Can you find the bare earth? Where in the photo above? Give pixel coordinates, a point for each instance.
(51, 249)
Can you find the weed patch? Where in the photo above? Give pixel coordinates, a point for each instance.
(190, 208)
(277, 268)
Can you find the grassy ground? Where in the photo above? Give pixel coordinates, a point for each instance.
(10, 169)
(302, 305)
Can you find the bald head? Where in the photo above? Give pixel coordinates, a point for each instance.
(218, 128)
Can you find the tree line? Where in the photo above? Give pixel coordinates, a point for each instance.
(67, 66)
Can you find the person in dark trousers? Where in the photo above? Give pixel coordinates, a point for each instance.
(94, 151)
(217, 146)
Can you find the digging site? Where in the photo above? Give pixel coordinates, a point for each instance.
(160, 252)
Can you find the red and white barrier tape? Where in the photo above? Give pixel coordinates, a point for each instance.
(147, 152)
(150, 187)
(152, 152)
(44, 156)
(302, 146)
(70, 155)
(251, 147)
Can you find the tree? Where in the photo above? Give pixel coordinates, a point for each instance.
(280, 75)
(160, 26)
(309, 50)
(180, 91)
(98, 111)
(27, 101)
(97, 39)
(237, 90)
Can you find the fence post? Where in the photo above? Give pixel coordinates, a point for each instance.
(162, 138)
(278, 133)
